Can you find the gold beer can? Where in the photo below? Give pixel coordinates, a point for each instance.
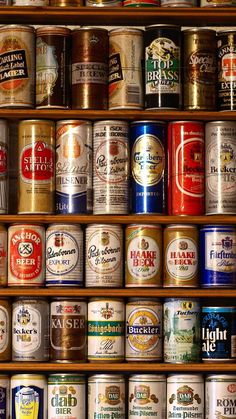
(36, 167)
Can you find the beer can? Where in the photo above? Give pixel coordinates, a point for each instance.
(220, 168)
(179, 3)
(148, 167)
(106, 329)
(5, 396)
(110, 167)
(3, 256)
(104, 256)
(73, 167)
(147, 396)
(106, 393)
(31, 3)
(220, 396)
(143, 260)
(17, 66)
(162, 67)
(66, 396)
(5, 2)
(185, 395)
(68, 326)
(199, 73)
(90, 48)
(30, 334)
(26, 255)
(180, 266)
(218, 256)
(186, 168)
(28, 396)
(66, 3)
(226, 47)
(64, 255)
(5, 333)
(125, 68)
(52, 67)
(36, 167)
(218, 334)
(217, 3)
(141, 3)
(4, 166)
(103, 3)
(182, 336)
(143, 330)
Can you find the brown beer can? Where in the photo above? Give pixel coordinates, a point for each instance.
(5, 329)
(3, 256)
(90, 48)
(52, 67)
(36, 166)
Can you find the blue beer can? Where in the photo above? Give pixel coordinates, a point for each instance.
(218, 256)
(148, 167)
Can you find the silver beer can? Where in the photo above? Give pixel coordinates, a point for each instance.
(4, 169)
(220, 396)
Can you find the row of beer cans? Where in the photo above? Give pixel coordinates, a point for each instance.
(177, 330)
(119, 3)
(138, 395)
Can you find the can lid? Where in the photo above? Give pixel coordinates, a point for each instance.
(73, 121)
(225, 31)
(198, 29)
(125, 29)
(145, 121)
(162, 25)
(106, 377)
(180, 226)
(147, 377)
(143, 300)
(139, 226)
(221, 377)
(15, 26)
(110, 121)
(89, 28)
(55, 30)
(184, 378)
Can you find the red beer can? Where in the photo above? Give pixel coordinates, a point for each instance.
(186, 168)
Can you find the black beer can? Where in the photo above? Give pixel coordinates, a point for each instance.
(226, 59)
(162, 67)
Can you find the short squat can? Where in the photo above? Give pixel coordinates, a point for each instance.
(220, 396)
(4, 166)
(5, 332)
(5, 396)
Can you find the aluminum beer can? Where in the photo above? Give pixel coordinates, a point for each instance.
(143, 261)
(106, 330)
(5, 2)
(110, 167)
(66, 3)
(5, 332)
(147, 396)
(90, 50)
(218, 334)
(5, 396)
(104, 256)
(17, 68)
(180, 266)
(36, 167)
(186, 168)
(26, 255)
(162, 67)
(106, 393)
(220, 396)
(143, 330)
(4, 166)
(218, 256)
(103, 3)
(182, 336)
(226, 56)
(185, 395)
(64, 255)
(199, 75)
(30, 334)
(220, 168)
(125, 68)
(73, 167)
(52, 67)
(68, 326)
(31, 3)
(66, 396)
(178, 3)
(3, 256)
(217, 3)
(148, 167)
(28, 396)
(141, 3)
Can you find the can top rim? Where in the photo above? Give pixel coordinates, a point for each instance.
(106, 376)
(185, 376)
(29, 121)
(199, 29)
(128, 29)
(150, 377)
(14, 25)
(165, 25)
(72, 121)
(92, 28)
(226, 31)
(220, 122)
(147, 121)
(221, 376)
(218, 226)
(53, 28)
(66, 375)
(181, 226)
(181, 122)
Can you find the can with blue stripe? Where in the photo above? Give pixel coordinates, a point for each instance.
(218, 256)
(148, 166)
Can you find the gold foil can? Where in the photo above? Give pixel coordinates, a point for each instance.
(36, 167)
(3, 256)
(5, 330)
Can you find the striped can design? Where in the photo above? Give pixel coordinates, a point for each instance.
(4, 158)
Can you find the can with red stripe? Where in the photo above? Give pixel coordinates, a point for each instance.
(186, 168)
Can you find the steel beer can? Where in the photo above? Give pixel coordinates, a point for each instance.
(125, 68)
(162, 67)
(226, 57)
(17, 66)
(220, 396)
(26, 255)
(66, 396)
(110, 167)
(90, 50)
(3, 256)
(220, 168)
(148, 167)
(52, 67)
(4, 166)
(143, 261)
(28, 396)
(30, 334)
(199, 75)
(218, 256)
(147, 396)
(64, 255)
(73, 167)
(143, 330)
(182, 336)
(36, 167)
(180, 266)
(104, 256)
(5, 396)
(5, 333)
(186, 168)
(106, 330)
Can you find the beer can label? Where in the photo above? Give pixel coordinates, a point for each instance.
(3, 256)
(3, 177)
(89, 72)
(147, 397)
(106, 396)
(220, 396)
(26, 333)
(37, 162)
(181, 259)
(185, 396)
(27, 400)
(4, 332)
(47, 69)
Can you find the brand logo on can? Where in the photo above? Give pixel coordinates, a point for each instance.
(201, 67)
(13, 64)
(112, 394)
(186, 396)
(143, 257)
(182, 258)
(142, 395)
(46, 70)
(104, 252)
(143, 329)
(221, 253)
(63, 399)
(62, 253)
(111, 161)
(37, 162)
(4, 330)
(26, 330)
